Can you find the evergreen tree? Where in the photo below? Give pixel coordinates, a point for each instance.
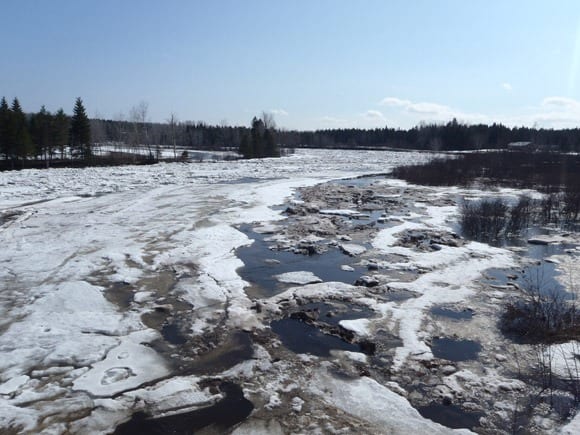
(261, 142)
(270, 147)
(60, 131)
(5, 114)
(257, 133)
(18, 132)
(80, 132)
(40, 128)
(246, 149)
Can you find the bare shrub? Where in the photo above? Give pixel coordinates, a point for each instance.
(520, 215)
(541, 315)
(571, 209)
(484, 220)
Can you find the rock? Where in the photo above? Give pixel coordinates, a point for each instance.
(307, 316)
(307, 248)
(297, 403)
(367, 281)
(367, 347)
(372, 266)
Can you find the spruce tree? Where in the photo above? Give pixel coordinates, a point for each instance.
(270, 147)
(246, 148)
(18, 132)
(257, 133)
(80, 132)
(60, 131)
(5, 114)
(40, 128)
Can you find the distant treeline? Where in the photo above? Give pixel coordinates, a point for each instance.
(43, 136)
(450, 136)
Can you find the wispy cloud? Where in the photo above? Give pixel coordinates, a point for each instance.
(431, 111)
(374, 115)
(550, 112)
(507, 86)
(556, 112)
(280, 112)
(560, 102)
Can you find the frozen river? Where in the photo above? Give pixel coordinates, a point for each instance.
(120, 293)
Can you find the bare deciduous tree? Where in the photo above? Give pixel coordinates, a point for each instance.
(172, 121)
(138, 116)
(269, 121)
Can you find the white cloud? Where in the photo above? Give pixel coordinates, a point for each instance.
(431, 111)
(374, 114)
(280, 112)
(394, 102)
(551, 112)
(555, 112)
(562, 102)
(507, 86)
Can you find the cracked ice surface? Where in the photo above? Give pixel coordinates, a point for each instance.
(65, 347)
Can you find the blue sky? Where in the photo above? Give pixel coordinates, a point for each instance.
(314, 64)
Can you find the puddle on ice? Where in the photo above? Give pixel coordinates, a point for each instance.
(229, 411)
(121, 294)
(300, 337)
(172, 334)
(455, 350)
(234, 350)
(451, 416)
(334, 313)
(259, 270)
(541, 276)
(452, 314)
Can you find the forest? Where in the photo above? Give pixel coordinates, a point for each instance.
(452, 135)
(56, 139)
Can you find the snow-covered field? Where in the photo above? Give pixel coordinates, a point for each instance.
(78, 358)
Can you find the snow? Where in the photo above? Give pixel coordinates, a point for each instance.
(125, 367)
(359, 326)
(352, 249)
(572, 427)
(300, 277)
(72, 233)
(450, 276)
(370, 401)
